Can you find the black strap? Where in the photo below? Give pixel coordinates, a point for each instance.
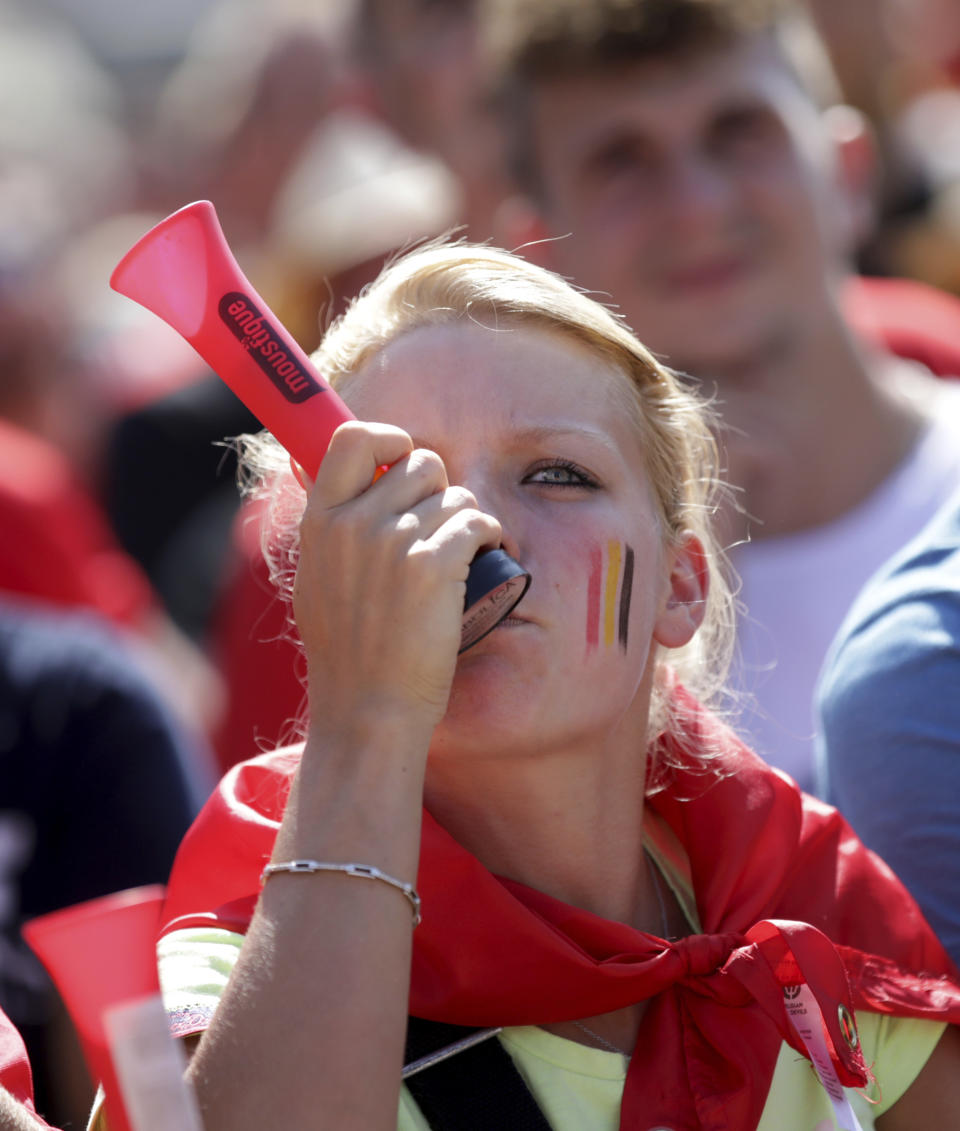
(478, 1089)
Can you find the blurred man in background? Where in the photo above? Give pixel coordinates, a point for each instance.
(687, 159)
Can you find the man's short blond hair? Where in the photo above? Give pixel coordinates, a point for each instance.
(529, 42)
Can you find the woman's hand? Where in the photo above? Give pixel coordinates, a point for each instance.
(320, 989)
(379, 592)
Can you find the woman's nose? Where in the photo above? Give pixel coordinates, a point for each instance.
(492, 501)
(508, 541)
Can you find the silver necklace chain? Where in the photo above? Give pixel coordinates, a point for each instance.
(609, 1045)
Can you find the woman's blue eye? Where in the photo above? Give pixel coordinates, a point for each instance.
(561, 474)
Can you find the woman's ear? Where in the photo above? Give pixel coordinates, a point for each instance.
(855, 148)
(684, 604)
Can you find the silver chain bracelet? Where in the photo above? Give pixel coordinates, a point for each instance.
(363, 871)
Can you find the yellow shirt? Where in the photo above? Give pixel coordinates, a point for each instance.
(579, 1088)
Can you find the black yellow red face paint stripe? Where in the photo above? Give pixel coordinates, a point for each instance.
(609, 590)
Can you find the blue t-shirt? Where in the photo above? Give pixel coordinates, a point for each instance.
(888, 701)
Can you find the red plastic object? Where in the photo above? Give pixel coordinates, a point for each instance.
(184, 271)
(99, 954)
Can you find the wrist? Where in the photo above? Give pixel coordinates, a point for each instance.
(379, 826)
(371, 709)
(358, 792)
(372, 726)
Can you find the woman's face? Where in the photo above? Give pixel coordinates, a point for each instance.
(528, 420)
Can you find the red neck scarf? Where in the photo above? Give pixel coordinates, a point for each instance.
(785, 892)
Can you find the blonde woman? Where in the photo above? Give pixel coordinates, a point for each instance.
(667, 933)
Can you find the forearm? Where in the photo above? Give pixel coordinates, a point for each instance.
(313, 1019)
(310, 1030)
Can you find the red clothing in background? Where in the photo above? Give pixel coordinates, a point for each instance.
(57, 545)
(255, 651)
(908, 318)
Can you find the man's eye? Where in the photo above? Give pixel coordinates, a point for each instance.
(561, 474)
(744, 130)
(619, 158)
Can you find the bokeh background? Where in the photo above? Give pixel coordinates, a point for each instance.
(329, 134)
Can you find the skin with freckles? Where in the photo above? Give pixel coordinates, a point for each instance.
(609, 595)
(558, 465)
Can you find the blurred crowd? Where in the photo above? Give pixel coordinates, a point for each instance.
(142, 649)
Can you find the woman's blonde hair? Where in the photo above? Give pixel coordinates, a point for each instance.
(445, 282)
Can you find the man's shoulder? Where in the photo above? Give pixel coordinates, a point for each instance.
(928, 562)
(901, 637)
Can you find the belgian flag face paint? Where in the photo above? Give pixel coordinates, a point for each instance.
(609, 590)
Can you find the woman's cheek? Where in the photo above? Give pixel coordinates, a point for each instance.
(609, 566)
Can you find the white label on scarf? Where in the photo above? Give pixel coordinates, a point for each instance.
(804, 1012)
(150, 1066)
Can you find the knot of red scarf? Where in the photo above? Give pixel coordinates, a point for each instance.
(706, 954)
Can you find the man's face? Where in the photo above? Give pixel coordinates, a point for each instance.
(700, 194)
